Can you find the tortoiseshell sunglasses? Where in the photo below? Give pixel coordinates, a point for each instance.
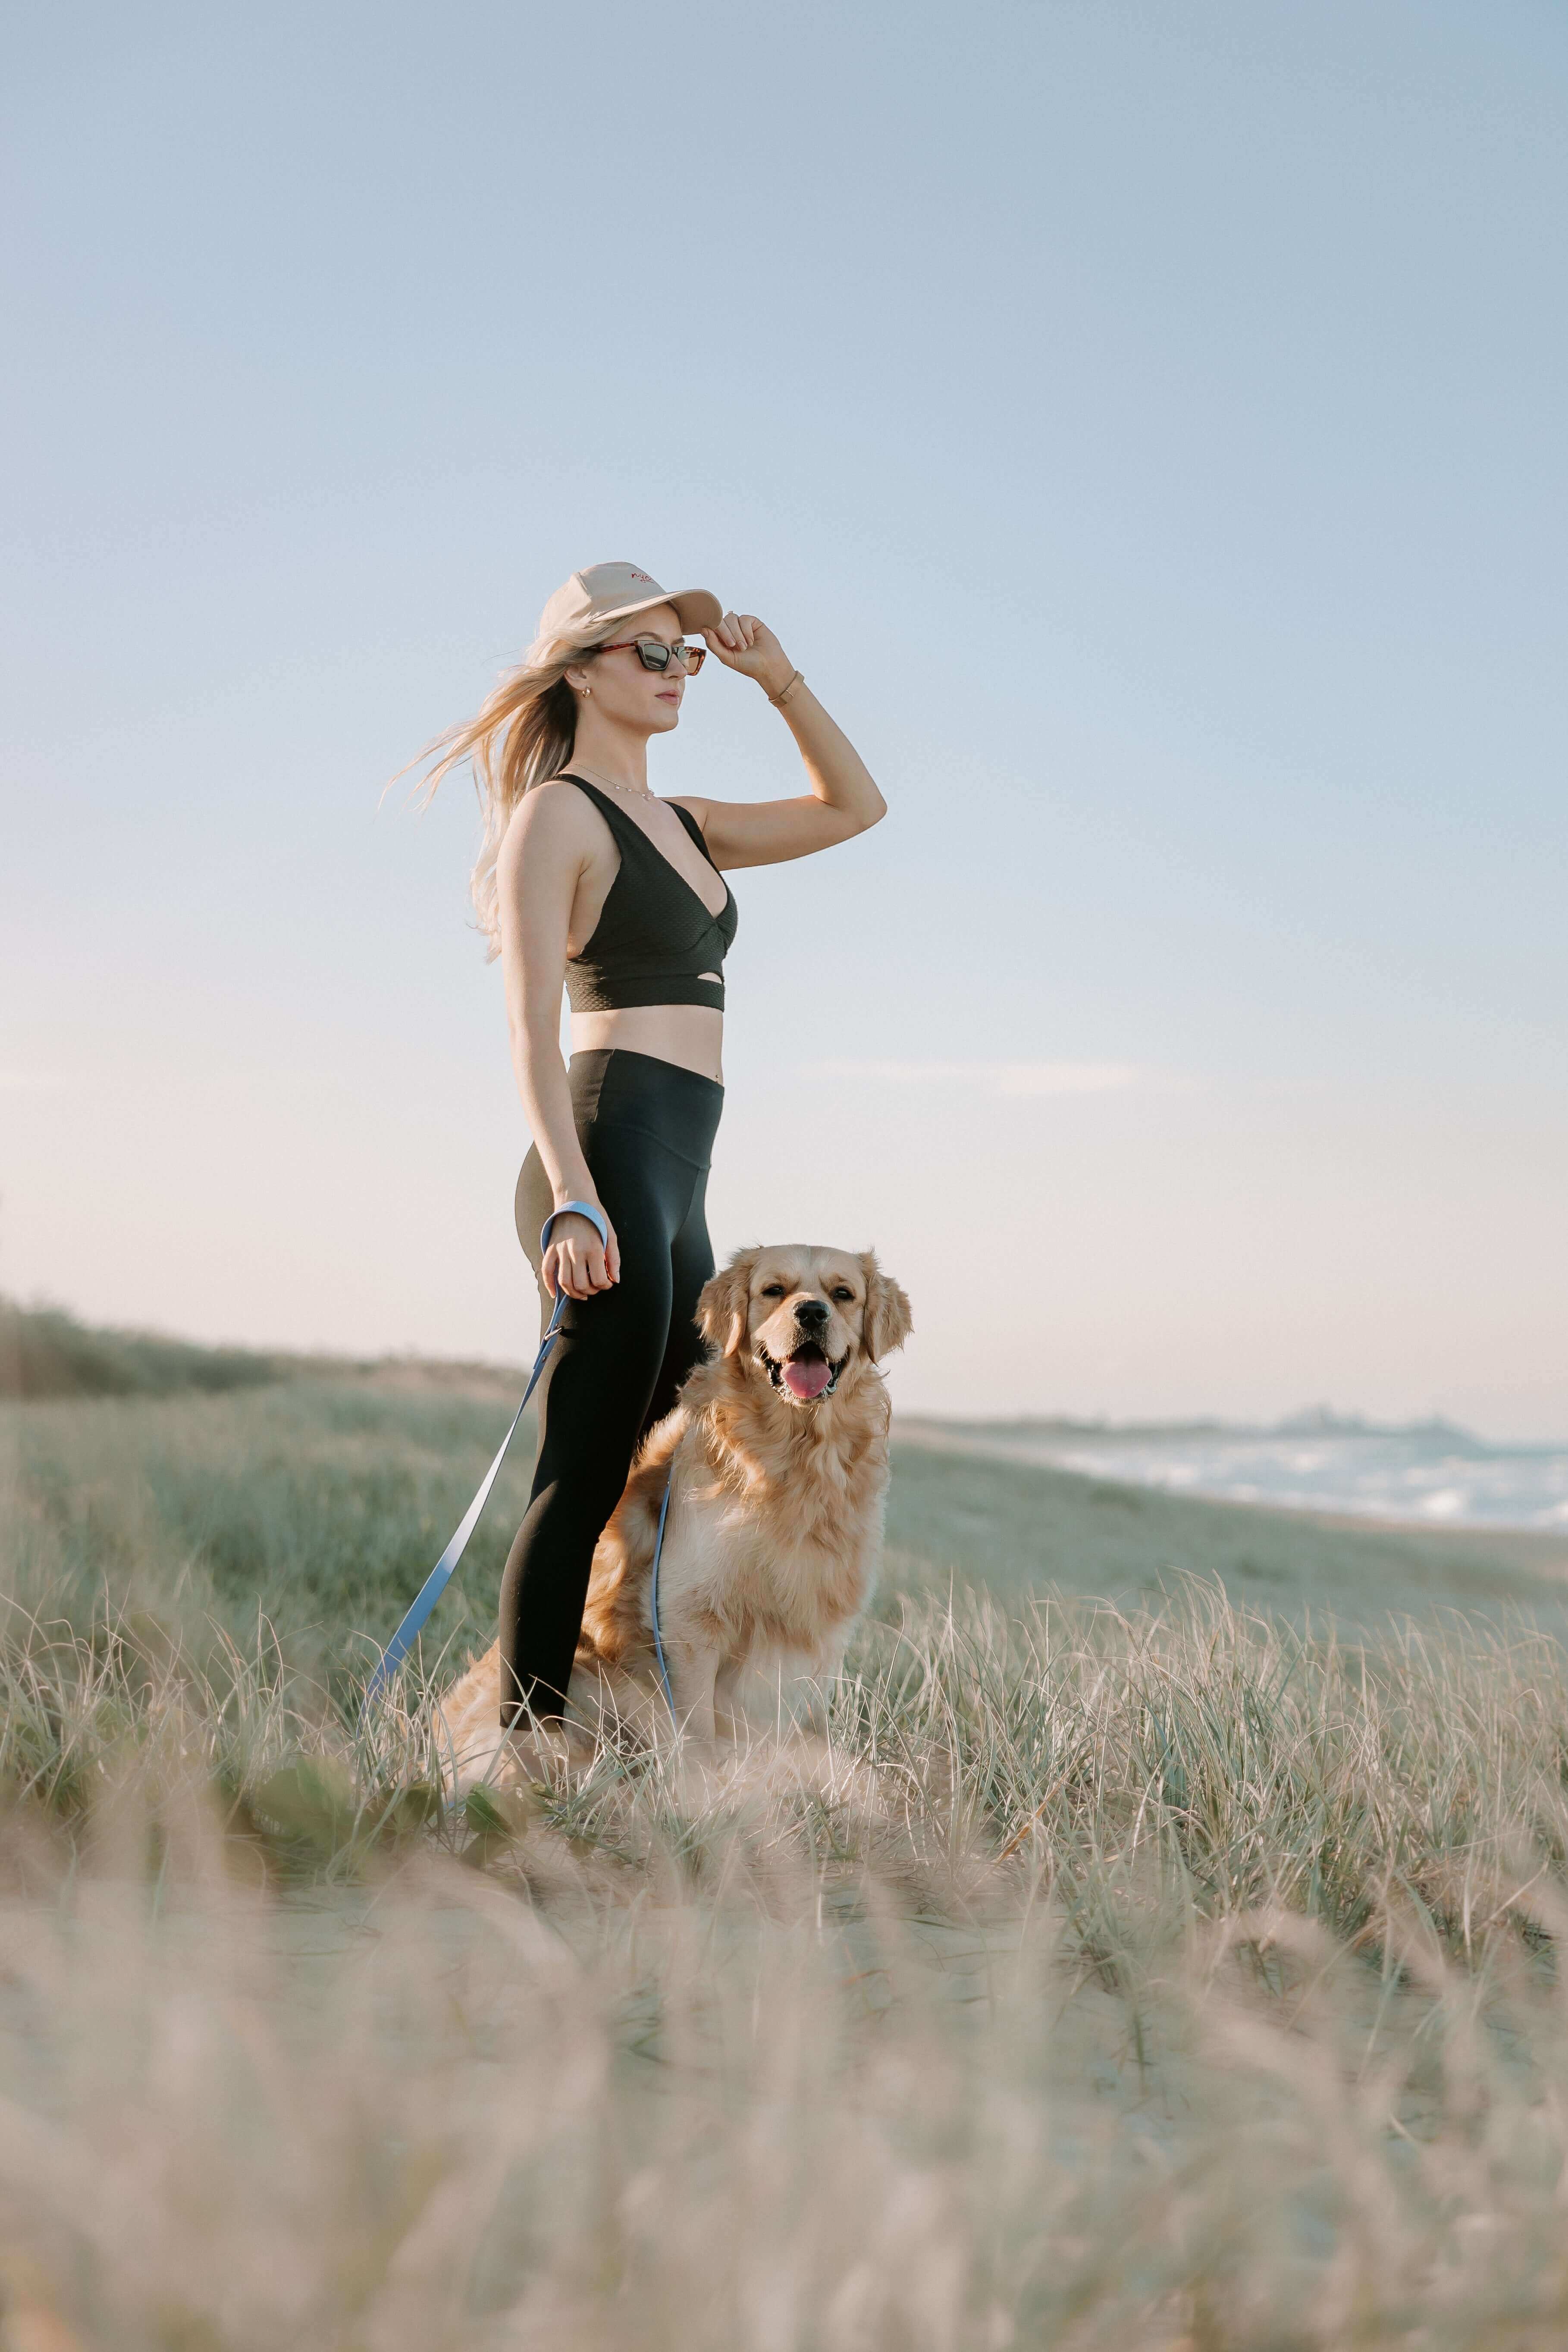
(654, 653)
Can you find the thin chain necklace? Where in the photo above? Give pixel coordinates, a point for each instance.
(633, 791)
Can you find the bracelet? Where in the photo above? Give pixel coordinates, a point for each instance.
(795, 678)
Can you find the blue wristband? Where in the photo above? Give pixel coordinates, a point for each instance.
(595, 1217)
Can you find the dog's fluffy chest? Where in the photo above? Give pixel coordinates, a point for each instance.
(781, 1554)
(794, 1595)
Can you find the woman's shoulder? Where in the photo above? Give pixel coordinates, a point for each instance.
(553, 815)
(563, 791)
(688, 805)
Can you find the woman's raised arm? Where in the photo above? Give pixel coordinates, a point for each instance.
(843, 800)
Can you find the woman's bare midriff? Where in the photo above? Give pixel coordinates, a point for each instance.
(689, 1035)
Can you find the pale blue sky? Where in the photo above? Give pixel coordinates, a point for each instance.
(1144, 425)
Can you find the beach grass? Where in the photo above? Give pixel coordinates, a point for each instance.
(1160, 1950)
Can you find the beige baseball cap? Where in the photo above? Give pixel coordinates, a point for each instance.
(603, 592)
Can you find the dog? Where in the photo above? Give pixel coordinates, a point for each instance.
(776, 1455)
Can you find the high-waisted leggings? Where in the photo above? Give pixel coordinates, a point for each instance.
(647, 1128)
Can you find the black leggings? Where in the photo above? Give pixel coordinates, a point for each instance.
(647, 1128)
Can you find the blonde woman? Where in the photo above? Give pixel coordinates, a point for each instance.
(587, 880)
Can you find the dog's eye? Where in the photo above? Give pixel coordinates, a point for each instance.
(772, 1290)
(849, 1295)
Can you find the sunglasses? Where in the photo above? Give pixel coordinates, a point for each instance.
(654, 653)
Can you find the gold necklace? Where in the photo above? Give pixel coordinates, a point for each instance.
(635, 792)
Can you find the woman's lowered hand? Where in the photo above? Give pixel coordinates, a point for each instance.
(576, 1261)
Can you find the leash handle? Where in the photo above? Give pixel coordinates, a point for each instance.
(441, 1575)
(595, 1217)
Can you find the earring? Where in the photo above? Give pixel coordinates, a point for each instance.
(587, 694)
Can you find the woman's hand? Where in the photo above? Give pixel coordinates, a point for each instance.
(742, 642)
(576, 1261)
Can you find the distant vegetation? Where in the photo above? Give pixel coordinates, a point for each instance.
(46, 1352)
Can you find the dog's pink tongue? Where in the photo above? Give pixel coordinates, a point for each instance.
(807, 1376)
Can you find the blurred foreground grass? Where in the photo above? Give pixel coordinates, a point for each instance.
(1178, 1973)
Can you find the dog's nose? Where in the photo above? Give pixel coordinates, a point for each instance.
(812, 1311)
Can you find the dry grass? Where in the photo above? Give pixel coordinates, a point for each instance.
(1168, 1976)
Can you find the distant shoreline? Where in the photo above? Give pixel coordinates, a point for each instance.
(1295, 1428)
(1543, 1549)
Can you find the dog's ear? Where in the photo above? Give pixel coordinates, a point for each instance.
(888, 1320)
(722, 1308)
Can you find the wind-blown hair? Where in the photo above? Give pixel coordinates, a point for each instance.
(522, 735)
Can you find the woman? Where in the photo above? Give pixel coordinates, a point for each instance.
(587, 879)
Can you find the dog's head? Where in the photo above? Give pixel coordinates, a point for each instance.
(808, 1315)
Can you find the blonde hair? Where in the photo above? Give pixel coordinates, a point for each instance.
(522, 735)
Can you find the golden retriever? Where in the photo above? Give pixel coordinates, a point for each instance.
(779, 1446)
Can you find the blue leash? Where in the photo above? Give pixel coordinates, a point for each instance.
(653, 1593)
(441, 1575)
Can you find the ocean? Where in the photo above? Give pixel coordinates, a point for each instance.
(1428, 1473)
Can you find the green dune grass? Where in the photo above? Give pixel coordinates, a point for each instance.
(1161, 1950)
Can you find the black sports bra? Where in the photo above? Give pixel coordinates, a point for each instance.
(655, 937)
